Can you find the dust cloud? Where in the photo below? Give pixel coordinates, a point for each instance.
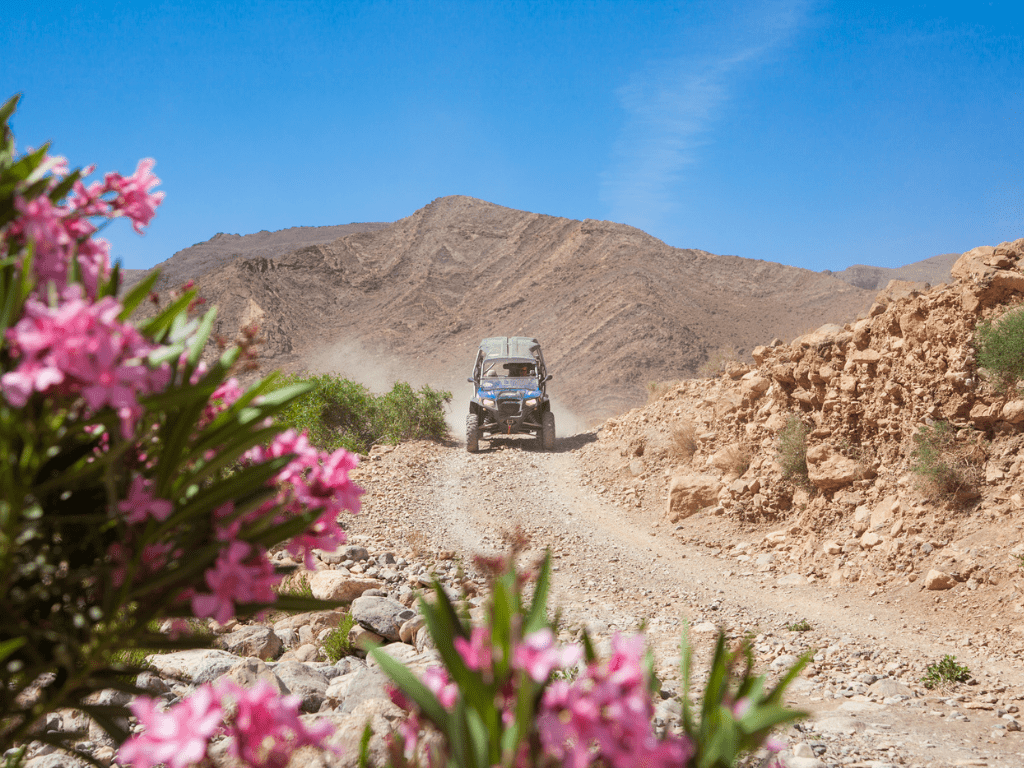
(378, 372)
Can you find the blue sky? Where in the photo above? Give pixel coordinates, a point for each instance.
(810, 133)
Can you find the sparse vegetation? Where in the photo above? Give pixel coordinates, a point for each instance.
(792, 451)
(658, 389)
(717, 361)
(944, 466)
(800, 626)
(738, 458)
(338, 413)
(999, 345)
(945, 672)
(295, 586)
(684, 440)
(337, 644)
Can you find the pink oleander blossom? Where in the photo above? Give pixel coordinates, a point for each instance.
(79, 347)
(177, 737)
(475, 652)
(140, 503)
(264, 728)
(134, 199)
(607, 713)
(242, 573)
(538, 655)
(437, 681)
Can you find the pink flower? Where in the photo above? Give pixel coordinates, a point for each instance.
(475, 652)
(133, 197)
(231, 579)
(538, 655)
(266, 728)
(140, 503)
(177, 737)
(437, 681)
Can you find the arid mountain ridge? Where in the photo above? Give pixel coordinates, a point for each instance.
(614, 307)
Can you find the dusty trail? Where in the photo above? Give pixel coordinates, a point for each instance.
(614, 568)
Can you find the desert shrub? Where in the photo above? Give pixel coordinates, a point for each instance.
(945, 672)
(792, 449)
(999, 346)
(337, 644)
(295, 586)
(944, 465)
(738, 458)
(658, 389)
(800, 626)
(339, 413)
(684, 440)
(717, 361)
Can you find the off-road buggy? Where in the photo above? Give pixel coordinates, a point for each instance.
(509, 383)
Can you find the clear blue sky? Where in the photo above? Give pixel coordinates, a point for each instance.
(814, 134)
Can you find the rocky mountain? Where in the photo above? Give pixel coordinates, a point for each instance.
(933, 271)
(874, 454)
(614, 307)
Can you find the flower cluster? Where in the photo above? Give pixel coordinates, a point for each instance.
(262, 727)
(606, 713)
(313, 480)
(81, 347)
(61, 232)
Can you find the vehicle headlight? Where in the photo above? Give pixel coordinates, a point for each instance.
(532, 402)
(488, 402)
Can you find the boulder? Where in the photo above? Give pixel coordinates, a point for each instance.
(248, 672)
(203, 665)
(689, 493)
(1013, 412)
(257, 641)
(334, 585)
(938, 580)
(381, 615)
(831, 471)
(347, 691)
(305, 681)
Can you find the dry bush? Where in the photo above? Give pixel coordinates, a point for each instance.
(792, 450)
(945, 465)
(417, 542)
(738, 458)
(717, 361)
(684, 440)
(658, 389)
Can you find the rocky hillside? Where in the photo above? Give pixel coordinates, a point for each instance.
(933, 271)
(614, 307)
(706, 458)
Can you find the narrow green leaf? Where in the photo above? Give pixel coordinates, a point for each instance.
(537, 618)
(201, 335)
(9, 107)
(411, 686)
(136, 294)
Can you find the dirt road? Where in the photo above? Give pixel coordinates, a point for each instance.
(614, 569)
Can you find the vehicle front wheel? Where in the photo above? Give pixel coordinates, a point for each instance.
(547, 431)
(472, 433)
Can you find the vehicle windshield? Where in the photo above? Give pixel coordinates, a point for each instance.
(509, 369)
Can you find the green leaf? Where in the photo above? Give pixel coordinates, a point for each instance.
(202, 334)
(411, 686)
(9, 107)
(7, 647)
(537, 618)
(136, 294)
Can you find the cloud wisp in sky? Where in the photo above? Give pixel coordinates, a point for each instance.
(672, 106)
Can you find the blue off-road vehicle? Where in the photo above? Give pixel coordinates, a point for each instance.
(510, 395)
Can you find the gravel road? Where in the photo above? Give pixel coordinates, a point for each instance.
(614, 569)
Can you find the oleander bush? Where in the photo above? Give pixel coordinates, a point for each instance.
(999, 347)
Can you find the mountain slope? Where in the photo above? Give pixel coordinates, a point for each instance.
(614, 307)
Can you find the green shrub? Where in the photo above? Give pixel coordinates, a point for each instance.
(945, 672)
(801, 626)
(943, 465)
(1000, 348)
(792, 451)
(339, 413)
(337, 644)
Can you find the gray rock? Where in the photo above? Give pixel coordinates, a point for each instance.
(356, 553)
(347, 691)
(305, 681)
(248, 672)
(289, 637)
(199, 666)
(151, 684)
(257, 641)
(887, 687)
(381, 615)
